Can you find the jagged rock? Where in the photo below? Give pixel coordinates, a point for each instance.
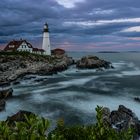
(13, 67)
(28, 77)
(39, 80)
(4, 84)
(16, 83)
(106, 116)
(2, 104)
(92, 62)
(23, 65)
(137, 99)
(6, 93)
(20, 116)
(122, 119)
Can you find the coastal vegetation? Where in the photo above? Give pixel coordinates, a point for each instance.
(36, 128)
(24, 54)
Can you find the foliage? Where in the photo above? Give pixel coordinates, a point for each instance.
(26, 55)
(22, 53)
(93, 132)
(34, 128)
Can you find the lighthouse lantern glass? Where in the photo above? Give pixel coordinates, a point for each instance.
(45, 27)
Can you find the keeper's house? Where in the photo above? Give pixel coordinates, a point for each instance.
(22, 45)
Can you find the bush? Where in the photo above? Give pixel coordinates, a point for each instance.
(34, 128)
(93, 132)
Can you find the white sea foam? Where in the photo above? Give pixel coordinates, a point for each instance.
(40, 90)
(80, 81)
(106, 101)
(131, 65)
(38, 98)
(131, 73)
(75, 70)
(119, 65)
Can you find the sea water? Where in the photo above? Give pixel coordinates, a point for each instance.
(74, 94)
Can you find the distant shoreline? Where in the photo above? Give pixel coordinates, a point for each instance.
(103, 52)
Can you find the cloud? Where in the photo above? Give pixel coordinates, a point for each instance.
(77, 22)
(69, 4)
(132, 29)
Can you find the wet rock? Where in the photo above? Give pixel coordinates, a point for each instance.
(137, 99)
(23, 65)
(92, 62)
(99, 70)
(28, 77)
(20, 116)
(6, 93)
(16, 83)
(112, 67)
(122, 119)
(13, 67)
(39, 80)
(2, 105)
(4, 84)
(106, 116)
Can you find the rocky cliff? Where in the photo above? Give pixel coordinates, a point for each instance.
(14, 65)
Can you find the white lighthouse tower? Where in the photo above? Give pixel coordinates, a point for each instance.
(46, 40)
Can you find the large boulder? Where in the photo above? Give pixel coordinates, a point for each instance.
(92, 62)
(19, 116)
(137, 99)
(121, 119)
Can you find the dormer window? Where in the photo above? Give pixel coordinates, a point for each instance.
(11, 46)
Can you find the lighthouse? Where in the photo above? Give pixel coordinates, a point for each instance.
(46, 40)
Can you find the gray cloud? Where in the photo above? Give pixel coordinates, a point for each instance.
(20, 19)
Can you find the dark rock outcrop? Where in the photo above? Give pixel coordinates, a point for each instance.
(137, 99)
(15, 66)
(4, 94)
(18, 117)
(2, 104)
(92, 62)
(122, 119)
(16, 82)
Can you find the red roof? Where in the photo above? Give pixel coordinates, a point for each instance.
(58, 51)
(16, 44)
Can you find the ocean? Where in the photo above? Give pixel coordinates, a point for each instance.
(74, 94)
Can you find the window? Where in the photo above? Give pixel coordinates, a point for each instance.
(11, 46)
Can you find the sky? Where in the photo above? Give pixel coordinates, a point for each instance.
(75, 25)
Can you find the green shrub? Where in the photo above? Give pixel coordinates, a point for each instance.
(93, 132)
(28, 55)
(34, 128)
